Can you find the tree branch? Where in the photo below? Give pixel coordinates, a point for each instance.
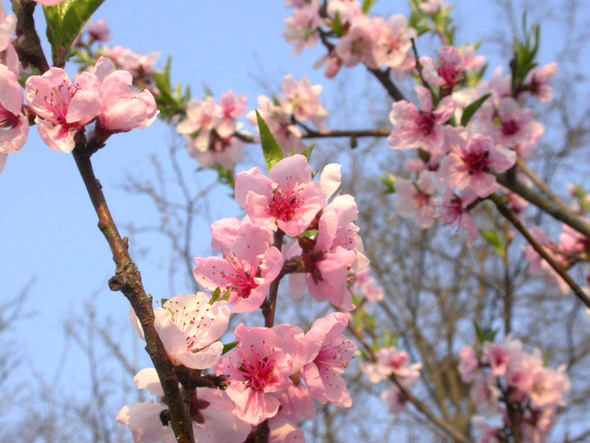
(569, 217)
(127, 279)
(506, 212)
(28, 45)
(455, 435)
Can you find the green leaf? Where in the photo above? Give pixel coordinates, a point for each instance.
(494, 241)
(336, 25)
(229, 346)
(270, 147)
(163, 300)
(64, 22)
(310, 233)
(226, 295)
(367, 5)
(389, 183)
(308, 151)
(470, 110)
(216, 295)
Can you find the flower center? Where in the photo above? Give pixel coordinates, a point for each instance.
(509, 127)
(425, 123)
(7, 118)
(476, 162)
(284, 205)
(258, 372)
(242, 281)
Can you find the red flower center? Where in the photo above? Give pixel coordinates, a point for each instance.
(284, 205)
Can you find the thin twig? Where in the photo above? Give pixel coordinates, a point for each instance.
(538, 181)
(506, 212)
(446, 428)
(311, 134)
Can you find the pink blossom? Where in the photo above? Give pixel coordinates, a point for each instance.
(393, 41)
(224, 233)
(433, 7)
(297, 403)
(469, 164)
(224, 152)
(549, 387)
(202, 116)
(449, 72)
(395, 399)
(49, 2)
(469, 364)
(123, 109)
(538, 266)
(330, 355)
(413, 128)
(346, 10)
(302, 100)
(138, 65)
(63, 108)
(528, 147)
(333, 64)
(7, 28)
(332, 257)
(279, 121)
(539, 82)
(415, 200)
(143, 419)
(14, 125)
(189, 326)
(370, 288)
(471, 61)
(289, 200)
(99, 31)
(257, 370)
(211, 410)
(454, 209)
(302, 28)
(358, 44)
(248, 268)
(508, 124)
(231, 108)
(500, 355)
(392, 361)
(282, 431)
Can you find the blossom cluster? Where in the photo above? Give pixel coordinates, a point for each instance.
(62, 108)
(286, 115)
(351, 36)
(460, 164)
(514, 384)
(273, 374)
(210, 129)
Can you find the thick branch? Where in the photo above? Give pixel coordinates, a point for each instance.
(506, 212)
(28, 44)
(568, 217)
(128, 280)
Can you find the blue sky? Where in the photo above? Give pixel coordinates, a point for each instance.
(47, 222)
